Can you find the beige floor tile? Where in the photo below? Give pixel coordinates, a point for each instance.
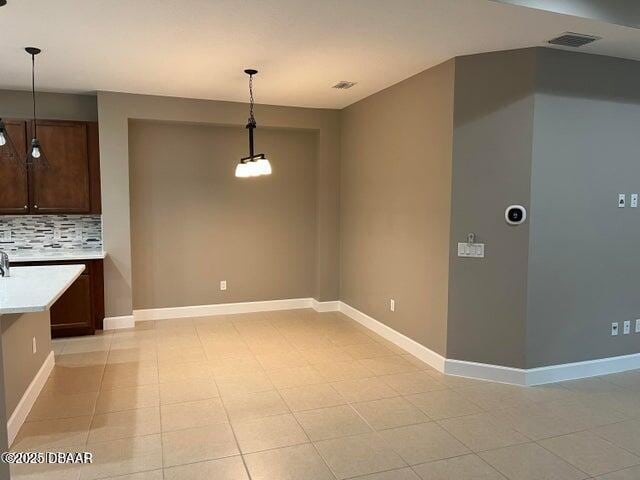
(150, 475)
(624, 434)
(300, 462)
(187, 391)
(388, 365)
(422, 443)
(590, 385)
(231, 468)
(358, 455)
(331, 422)
(47, 435)
(269, 432)
(128, 423)
(52, 405)
(325, 355)
(416, 361)
(87, 344)
(443, 404)
(390, 413)
(531, 462)
(179, 416)
(412, 383)
(280, 360)
(367, 350)
(295, 377)
(177, 372)
(453, 381)
(364, 389)
(590, 453)
(198, 444)
(627, 380)
(400, 474)
(234, 366)
(243, 384)
(342, 339)
(128, 398)
(497, 396)
(133, 356)
(311, 397)
(88, 359)
(169, 356)
(123, 457)
(71, 380)
(129, 375)
(537, 421)
(482, 432)
(338, 371)
(466, 467)
(632, 473)
(255, 405)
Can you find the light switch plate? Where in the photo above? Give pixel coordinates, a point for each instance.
(392, 305)
(638, 325)
(626, 327)
(223, 284)
(614, 329)
(474, 250)
(634, 200)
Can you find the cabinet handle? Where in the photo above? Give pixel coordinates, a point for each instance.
(25, 207)
(35, 206)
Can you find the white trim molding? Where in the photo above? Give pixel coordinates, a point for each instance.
(116, 323)
(221, 309)
(416, 349)
(29, 397)
(325, 306)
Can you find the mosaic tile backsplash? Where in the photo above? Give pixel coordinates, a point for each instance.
(47, 233)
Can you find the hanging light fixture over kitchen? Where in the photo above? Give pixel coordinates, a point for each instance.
(7, 150)
(35, 155)
(254, 165)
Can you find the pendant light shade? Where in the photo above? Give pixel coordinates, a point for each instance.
(255, 165)
(7, 149)
(35, 154)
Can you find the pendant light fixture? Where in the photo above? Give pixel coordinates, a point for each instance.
(7, 150)
(254, 165)
(35, 155)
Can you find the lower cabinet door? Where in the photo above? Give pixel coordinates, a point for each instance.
(72, 313)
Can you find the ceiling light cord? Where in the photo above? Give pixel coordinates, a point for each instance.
(33, 94)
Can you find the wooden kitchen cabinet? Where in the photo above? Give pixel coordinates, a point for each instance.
(69, 182)
(80, 310)
(14, 194)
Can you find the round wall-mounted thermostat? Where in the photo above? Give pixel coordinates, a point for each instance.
(515, 214)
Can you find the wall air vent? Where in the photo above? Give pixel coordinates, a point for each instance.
(343, 85)
(573, 40)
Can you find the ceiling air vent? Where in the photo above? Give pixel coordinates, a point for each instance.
(573, 40)
(343, 85)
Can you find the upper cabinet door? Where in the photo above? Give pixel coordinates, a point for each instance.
(14, 192)
(62, 185)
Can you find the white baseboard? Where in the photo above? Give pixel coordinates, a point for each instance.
(428, 356)
(325, 306)
(116, 323)
(29, 397)
(484, 371)
(221, 309)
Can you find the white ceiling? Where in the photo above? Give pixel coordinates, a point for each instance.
(198, 48)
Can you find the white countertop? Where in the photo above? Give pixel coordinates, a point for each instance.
(56, 255)
(35, 289)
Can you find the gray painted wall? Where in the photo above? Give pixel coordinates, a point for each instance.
(395, 204)
(584, 263)
(193, 223)
(492, 140)
(50, 106)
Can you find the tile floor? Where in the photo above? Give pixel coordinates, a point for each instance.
(298, 395)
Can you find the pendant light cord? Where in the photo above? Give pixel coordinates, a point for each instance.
(33, 94)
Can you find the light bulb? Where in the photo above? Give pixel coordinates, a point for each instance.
(3, 139)
(263, 166)
(35, 152)
(242, 170)
(254, 172)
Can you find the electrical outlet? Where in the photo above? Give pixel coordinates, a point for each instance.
(614, 329)
(634, 200)
(622, 200)
(223, 284)
(626, 327)
(638, 325)
(34, 345)
(392, 305)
